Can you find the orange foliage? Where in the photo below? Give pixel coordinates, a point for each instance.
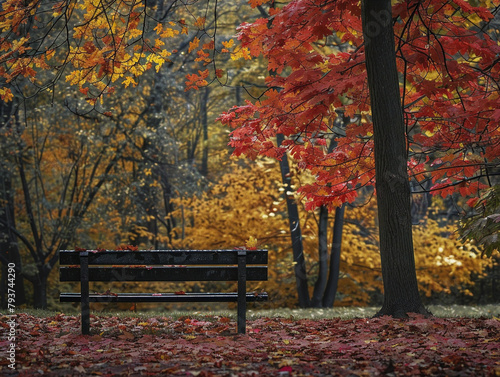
(98, 44)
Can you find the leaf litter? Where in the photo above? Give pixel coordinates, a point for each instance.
(209, 346)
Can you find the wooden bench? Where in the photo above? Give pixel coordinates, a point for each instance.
(163, 266)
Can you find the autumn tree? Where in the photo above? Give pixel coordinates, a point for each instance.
(89, 45)
(246, 204)
(51, 207)
(177, 140)
(401, 293)
(446, 62)
(127, 61)
(442, 102)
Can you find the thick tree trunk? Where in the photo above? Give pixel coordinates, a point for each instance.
(295, 233)
(401, 293)
(40, 292)
(9, 250)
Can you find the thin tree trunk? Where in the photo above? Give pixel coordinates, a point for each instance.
(319, 286)
(204, 124)
(295, 233)
(333, 277)
(401, 293)
(169, 207)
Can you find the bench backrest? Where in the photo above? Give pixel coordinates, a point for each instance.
(163, 265)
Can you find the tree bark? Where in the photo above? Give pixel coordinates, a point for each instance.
(204, 124)
(401, 295)
(295, 233)
(40, 292)
(333, 277)
(320, 285)
(9, 250)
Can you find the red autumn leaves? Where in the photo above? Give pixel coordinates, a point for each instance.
(209, 346)
(316, 62)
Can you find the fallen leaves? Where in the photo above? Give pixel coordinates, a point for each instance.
(273, 346)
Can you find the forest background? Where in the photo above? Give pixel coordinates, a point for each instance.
(86, 163)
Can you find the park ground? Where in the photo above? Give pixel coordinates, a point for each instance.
(295, 343)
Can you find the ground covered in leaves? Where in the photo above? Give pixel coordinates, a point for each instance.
(272, 347)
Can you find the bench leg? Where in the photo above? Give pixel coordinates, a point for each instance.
(84, 292)
(242, 291)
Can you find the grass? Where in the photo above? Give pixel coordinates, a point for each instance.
(488, 311)
(449, 311)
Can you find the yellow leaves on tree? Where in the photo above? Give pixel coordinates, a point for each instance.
(236, 212)
(106, 42)
(251, 243)
(167, 32)
(129, 80)
(228, 44)
(110, 57)
(6, 94)
(241, 53)
(246, 206)
(443, 263)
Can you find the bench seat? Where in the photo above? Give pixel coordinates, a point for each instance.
(164, 297)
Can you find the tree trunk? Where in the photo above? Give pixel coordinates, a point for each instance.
(295, 233)
(204, 124)
(333, 277)
(401, 293)
(40, 292)
(167, 203)
(319, 286)
(9, 250)
(8, 244)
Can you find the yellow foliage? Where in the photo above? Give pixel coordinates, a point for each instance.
(241, 53)
(6, 94)
(251, 242)
(245, 206)
(443, 261)
(228, 44)
(134, 33)
(129, 80)
(236, 212)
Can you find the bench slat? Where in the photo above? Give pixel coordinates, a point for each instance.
(164, 297)
(211, 273)
(163, 265)
(163, 257)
